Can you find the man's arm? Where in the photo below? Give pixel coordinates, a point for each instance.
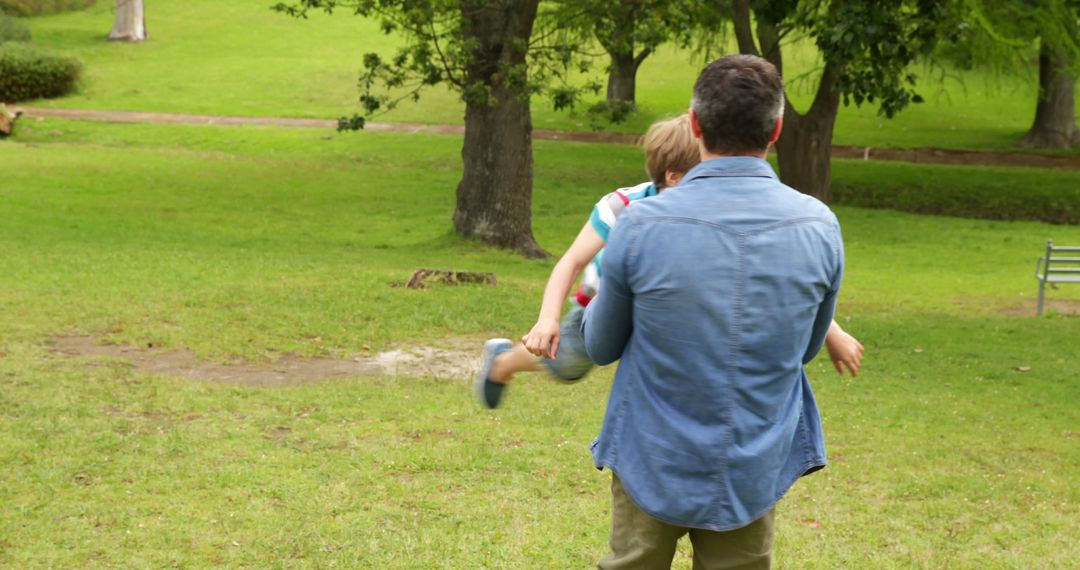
(608, 319)
(822, 322)
(827, 308)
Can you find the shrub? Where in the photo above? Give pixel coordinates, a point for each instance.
(12, 30)
(27, 72)
(1039, 194)
(42, 7)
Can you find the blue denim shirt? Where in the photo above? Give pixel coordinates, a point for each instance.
(715, 294)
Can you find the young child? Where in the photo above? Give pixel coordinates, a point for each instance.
(670, 151)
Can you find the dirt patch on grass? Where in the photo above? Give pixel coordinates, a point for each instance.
(1059, 306)
(442, 363)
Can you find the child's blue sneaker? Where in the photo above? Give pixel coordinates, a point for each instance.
(488, 391)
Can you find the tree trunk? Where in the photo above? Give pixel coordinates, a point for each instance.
(622, 77)
(130, 24)
(618, 41)
(494, 197)
(1055, 112)
(804, 149)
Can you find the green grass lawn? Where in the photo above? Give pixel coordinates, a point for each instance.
(240, 58)
(957, 447)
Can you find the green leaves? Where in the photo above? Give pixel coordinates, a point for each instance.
(353, 123)
(475, 48)
(873, 43)
(28, 72)
(623, 26)
(1005, 35)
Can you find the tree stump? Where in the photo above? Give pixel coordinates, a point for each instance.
(423, 277)
(7, 120)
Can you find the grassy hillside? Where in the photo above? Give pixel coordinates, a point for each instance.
(240, 58)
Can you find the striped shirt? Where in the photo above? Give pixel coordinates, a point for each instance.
(603, 218)
(607, 210)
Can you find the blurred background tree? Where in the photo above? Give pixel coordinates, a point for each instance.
(497, 55)
(867, 48)
(130, 22)
(1009, 37)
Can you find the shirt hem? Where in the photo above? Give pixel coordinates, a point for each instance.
(807, 468)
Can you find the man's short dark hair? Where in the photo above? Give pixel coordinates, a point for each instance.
(738, 99)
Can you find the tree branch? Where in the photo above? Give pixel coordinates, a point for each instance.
(560, 23)
(769, 38)
(390, 104)
(640, 58)
(743, 32)
(442, 59)
(827, 95)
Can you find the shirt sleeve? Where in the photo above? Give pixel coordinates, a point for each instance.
(606, 211)
(827, 308)
(608, 319)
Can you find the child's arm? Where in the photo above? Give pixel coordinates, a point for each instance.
(543, 339)
(844, 349)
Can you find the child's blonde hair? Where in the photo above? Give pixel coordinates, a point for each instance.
(670, 145)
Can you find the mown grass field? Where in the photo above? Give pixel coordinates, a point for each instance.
(957, 447)
(240, 58)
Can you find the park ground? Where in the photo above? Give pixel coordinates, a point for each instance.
(207, 358)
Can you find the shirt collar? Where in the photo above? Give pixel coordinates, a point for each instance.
(731, 166)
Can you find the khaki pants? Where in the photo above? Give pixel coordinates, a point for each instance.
(640, 542)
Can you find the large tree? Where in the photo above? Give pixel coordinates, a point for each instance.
(492, 53)
(130, 22)
(1007, 37)
(1054, 125)
(630, 31)
(866, 47)
(1055, 23)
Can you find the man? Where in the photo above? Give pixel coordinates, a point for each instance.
(715, 294)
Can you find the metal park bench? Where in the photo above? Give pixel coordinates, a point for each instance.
(1056, 268)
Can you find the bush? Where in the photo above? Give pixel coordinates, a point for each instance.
(42, 7)
(1038, 194)
(12, 30)
(27, 72)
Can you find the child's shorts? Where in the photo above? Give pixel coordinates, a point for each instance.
(571, 362)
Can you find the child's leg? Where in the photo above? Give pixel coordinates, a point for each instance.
(519, 359)
(503, 358)
(571, 363)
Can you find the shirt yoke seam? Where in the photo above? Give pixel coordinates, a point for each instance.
(737, 233)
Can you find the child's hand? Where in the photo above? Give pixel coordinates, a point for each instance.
(844, 350)
(543, 339)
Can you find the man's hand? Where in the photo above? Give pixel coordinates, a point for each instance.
(844, 350)
(543, 339)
